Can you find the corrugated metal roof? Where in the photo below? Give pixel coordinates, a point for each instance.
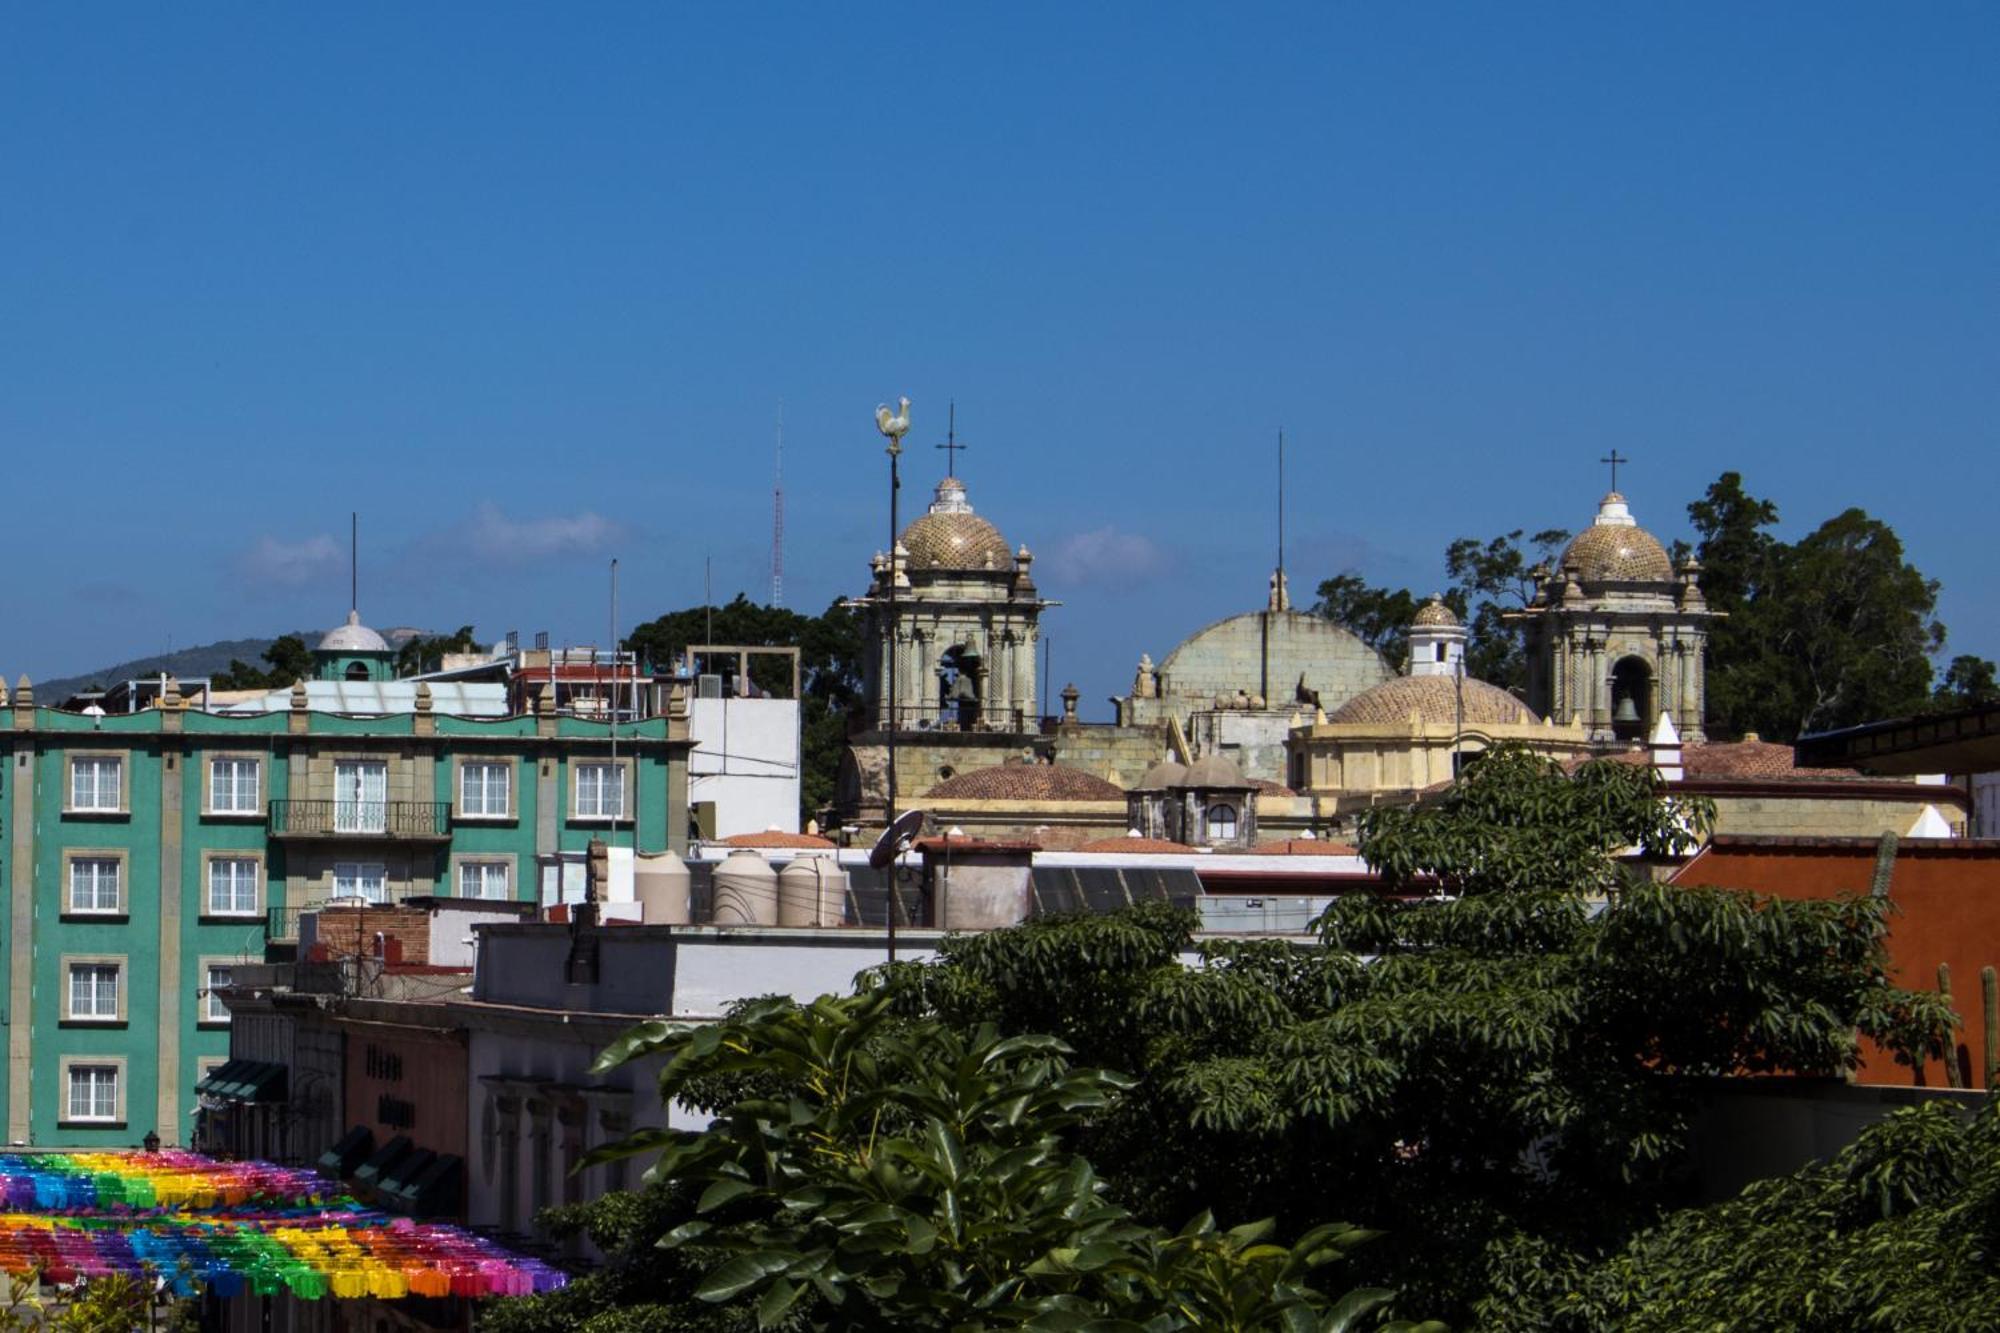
(374, 698)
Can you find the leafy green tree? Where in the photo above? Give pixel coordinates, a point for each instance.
(1496, 1046)
(1379, 617)
(1490, 579)
(868, 1172)
(1968, 681)
(1894, 1232)
(427, 654)
(829, 668)
(288, 660)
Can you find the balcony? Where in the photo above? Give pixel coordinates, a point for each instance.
(363, 821)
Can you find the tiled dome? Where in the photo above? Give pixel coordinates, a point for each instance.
(952, 537)
(1025, 782)
(1435, 699)
(1167, 773)
(1435, 612)
(1214, 770)
(1615, 549)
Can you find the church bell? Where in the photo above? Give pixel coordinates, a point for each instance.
(1627, 712)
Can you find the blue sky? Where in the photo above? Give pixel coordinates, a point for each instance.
(525, 285)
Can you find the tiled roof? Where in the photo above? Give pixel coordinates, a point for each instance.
(1025, 782)
(1138, 846)
(1302, 847)
(776, 838)
(1436, 699)
(1270, 788)
(1741, 761)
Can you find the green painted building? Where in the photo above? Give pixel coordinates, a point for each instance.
(149, 851)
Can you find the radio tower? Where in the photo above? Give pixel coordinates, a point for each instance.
(778, 516)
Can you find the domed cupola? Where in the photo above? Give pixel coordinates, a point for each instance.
(952, 538)
(353, 652)
(1437, 640)
(1615, 549)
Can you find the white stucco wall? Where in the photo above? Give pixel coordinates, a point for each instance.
(746, 760)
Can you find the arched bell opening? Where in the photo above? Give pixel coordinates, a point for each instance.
(958, 687)
(1631, 698)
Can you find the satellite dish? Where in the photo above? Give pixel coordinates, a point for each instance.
(895, 838)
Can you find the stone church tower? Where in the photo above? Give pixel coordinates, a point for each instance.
(1616, 636)
(965, 632)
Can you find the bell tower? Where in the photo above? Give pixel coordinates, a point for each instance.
(1616, 636)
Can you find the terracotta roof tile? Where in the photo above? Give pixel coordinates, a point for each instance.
(1740, 760)
(776, 838)
(1302, 847)
(1025, 782)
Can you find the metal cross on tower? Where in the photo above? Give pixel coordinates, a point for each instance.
(1614, 458)
(951, 446)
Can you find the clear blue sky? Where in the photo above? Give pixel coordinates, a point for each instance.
(526, 284)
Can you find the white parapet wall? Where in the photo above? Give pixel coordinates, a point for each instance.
(746, 761)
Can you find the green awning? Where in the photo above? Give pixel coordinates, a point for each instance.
(246, 1081)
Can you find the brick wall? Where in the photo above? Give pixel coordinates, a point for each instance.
(344, 931)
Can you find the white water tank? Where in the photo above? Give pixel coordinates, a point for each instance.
(812, 891)
(661, 882)
(746, 890)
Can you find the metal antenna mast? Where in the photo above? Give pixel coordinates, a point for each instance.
(354, 560)
(1281, 499)
(778, 517)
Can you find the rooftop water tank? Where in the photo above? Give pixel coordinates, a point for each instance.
(746, 890)
(661, 882)
(812, 891)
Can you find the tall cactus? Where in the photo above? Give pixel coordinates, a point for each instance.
(1951, 1070)
(1989, 983)
(1885, 866)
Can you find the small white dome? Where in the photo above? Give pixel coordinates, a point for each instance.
(353, 637)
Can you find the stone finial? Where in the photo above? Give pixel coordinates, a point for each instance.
(1281, 592)
(545, 701)
(24, 693)
(1070, 694)
(1143, 684)
(1690, 597)
(298, 696)
(170, 694)
(423, 697)
(677, 702)
(3, 693)
(1572, 594)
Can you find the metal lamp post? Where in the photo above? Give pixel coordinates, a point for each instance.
(894, 426)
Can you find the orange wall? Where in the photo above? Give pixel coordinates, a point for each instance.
(1948, 911)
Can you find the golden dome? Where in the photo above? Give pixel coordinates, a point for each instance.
(952, 537)
(1435, 612)
(1615, 549)
(1435, 699)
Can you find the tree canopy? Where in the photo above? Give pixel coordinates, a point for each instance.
(829, 667)
(1834, 629)
(287, 659)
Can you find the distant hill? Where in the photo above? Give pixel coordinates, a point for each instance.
(185, 663)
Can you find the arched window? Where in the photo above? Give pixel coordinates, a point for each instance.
(1222, 823)
(357, 671)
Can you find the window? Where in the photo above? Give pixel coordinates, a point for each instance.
(484, 790)
(93, 992)
(483, 879)
(361, 879)
(232, 886)
(93, 1092)
(233, 786)
(96, 782)
(600, 791)
(1221, 823)
(213, 1010)
(93, 884)
(360, 796)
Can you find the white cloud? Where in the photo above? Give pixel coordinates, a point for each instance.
(292, 564)
(494, 536)
(1106, 555)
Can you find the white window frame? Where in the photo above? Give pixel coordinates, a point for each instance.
(220, 859)
(96, 764)
(212, 1010)
(361, 795)
(595, 809)
(350, 880)
(78, 860)
(482, 808)
(92, 1010)
(1220, 823)
(486, 871)
(234, 786)
(105, 1096)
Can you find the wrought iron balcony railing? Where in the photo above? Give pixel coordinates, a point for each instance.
(390, 820)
